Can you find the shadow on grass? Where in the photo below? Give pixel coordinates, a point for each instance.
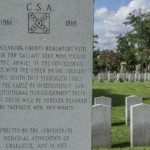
(147, 98)
(118, 124)
(117, 100)
(121, 145)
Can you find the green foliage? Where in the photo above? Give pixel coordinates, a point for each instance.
(120, 134)
(110, 59)
(144, 57)
(96, 54)
(123, 44)
(95, 38)
(96, 61)
(139, 36)
(131, 59)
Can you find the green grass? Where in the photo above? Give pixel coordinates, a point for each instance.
(120, 133)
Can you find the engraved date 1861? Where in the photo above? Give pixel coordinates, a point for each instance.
(5, 22)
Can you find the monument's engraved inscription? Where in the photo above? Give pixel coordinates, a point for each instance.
(5, 22)
(59, 138)
(38, 7)
(45, 74)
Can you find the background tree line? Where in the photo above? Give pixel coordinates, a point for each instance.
(133, 47)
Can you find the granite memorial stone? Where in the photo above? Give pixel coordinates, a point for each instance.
(45, 63)
(101, 126)
(141, 77)
(101, 78)
(145, 76)
(149, 77)
(140, 125)
(111, 78)
(129, 101)
(103, 101)
(131, 78)
(121, 78)
(137, 76)
(118, 74)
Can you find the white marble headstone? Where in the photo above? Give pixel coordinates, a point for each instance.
(149, 77)
(111, 78)
(137, 76)
(140, 125)
(129, 101)
(141, 77)
(145, 76)
(131, 78)
(101, 78)
(103, 101)
(101, 126)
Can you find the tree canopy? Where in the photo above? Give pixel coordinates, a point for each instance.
(135, 44)
(133, 47)
(139, 36)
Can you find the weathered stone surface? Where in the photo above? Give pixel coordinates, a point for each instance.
(145, 76)
(121, 78)
(101, 126)
(103, 101)
(149, 77)
(118, 74)
(131, 78)
(137, 76)
(140, 125)
(110, 78)
(129, 101)
(101, 78)
(46, 73)
(141, 77)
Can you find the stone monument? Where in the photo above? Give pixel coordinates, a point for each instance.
(46, 74)
(101, 78)
(129, 101)
(140, 125)
(138, 68)
(101, 126)
(123, 67)
(103, 101)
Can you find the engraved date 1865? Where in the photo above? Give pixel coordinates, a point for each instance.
(71, 23)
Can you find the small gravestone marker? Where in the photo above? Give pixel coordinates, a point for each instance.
(118, 74)
(101, 78)
(145, 76)
(46, 74)
(129, 101)
(140, 125)
(121, 78)
(149, 77)
(111, 78)
(131, 78)
(141, 77)
(101, 126)
(137, 76)
(103, 101)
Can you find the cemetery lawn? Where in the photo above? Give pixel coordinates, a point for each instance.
(120, 133)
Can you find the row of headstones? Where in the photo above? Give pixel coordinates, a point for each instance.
(137, 116)
(122, 77)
